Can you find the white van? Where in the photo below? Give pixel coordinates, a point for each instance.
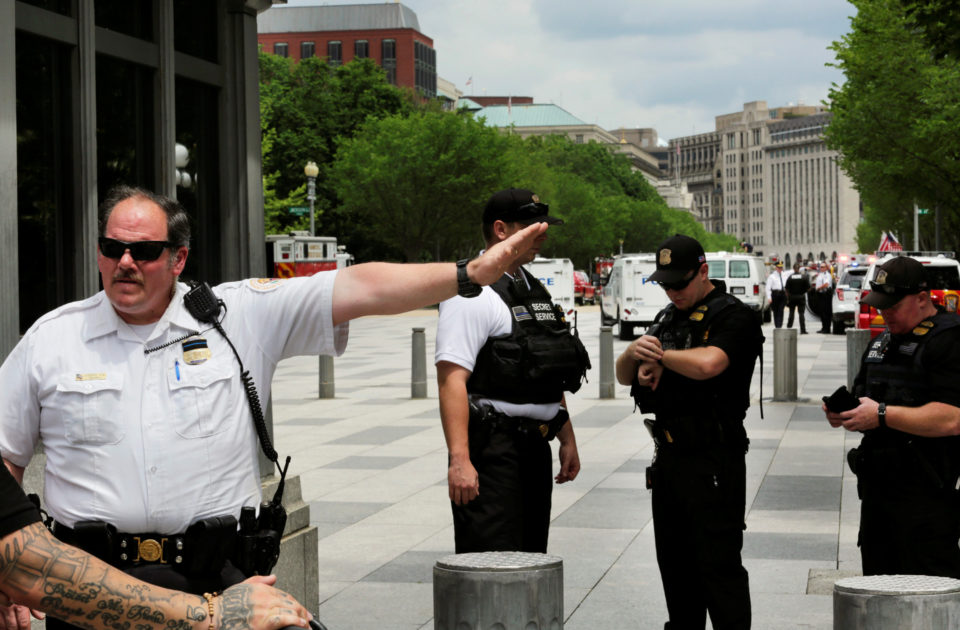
(630, 298)
(745, 277)
(556, 274)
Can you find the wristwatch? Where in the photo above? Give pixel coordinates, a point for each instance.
(882, 415)
(465, 286)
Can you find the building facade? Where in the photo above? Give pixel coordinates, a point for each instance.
(766, 176)
(388, 33)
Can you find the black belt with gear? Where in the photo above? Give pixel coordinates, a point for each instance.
(204, 547)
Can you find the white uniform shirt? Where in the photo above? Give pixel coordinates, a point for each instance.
(776, 281)
(148, 441)
(824, 281)
(463, 328)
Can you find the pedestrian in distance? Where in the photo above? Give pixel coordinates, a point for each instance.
(907, 405)
(692, 370)
(824, 294)
(777, 293)
(797, 287)
(144, 392)
(505, 356)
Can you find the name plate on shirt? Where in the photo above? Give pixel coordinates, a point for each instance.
(92, 376)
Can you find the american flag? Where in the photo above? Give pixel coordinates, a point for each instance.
(889, 243)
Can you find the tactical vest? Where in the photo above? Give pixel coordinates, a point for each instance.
(677, 330)
(893, 374)
(539, 359)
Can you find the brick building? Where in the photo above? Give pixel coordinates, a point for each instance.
(387, 33)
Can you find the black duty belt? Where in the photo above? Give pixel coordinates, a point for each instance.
(487, 419)
(205, 546)
(694, 433)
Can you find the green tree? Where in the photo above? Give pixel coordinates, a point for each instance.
(306, 109)
(419, 181)
(896, 122)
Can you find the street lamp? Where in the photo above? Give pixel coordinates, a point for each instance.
(311, 170)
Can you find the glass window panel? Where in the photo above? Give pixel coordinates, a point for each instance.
(739, 269)
(196, 28)
(45, 203)
(716, 269)
(281, 49)
(198, 182)
(307, 50)
(125, 125)
(334, 53)
(64, 7)
(130, 17)
(361, 49)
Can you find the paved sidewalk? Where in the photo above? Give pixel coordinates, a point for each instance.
(372, 464)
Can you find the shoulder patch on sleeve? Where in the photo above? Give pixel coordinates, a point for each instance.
(265, 285)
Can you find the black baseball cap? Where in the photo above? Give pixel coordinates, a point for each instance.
(518, 205)
(676, 258)
(896, 279)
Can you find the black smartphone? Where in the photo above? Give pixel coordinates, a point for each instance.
(841, 400)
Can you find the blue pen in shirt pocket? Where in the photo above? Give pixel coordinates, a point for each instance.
(176, 367)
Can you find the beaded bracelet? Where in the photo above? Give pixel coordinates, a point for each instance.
(210, 597)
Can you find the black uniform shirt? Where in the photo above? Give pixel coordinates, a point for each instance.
(16, 511)
(736, 331)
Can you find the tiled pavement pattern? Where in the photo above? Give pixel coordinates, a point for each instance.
(372, 463)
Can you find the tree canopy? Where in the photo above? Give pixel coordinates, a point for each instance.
(401, 179)
(896, 118)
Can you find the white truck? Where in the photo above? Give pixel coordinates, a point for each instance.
(556, 274)
(630, 299)
(744, 275)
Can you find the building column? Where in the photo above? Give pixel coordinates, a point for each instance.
(9, 272)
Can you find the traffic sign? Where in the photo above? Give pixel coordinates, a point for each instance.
(923, 211)
(300, 211)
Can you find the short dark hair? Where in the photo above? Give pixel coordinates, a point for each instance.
(178, 222)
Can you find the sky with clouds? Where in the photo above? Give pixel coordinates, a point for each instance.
(672, 65)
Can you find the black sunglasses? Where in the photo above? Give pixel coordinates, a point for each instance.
(679, 285)
(892, 289)
(139, 250)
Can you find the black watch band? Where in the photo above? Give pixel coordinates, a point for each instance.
(465, 286)
(882, 415)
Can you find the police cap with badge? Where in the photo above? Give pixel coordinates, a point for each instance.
(678, 260)
(895, 280)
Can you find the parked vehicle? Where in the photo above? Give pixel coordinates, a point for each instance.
(943, 278)
(556, 274)
(629, 298)
(846, 297)
(583, 291)
(745, 276)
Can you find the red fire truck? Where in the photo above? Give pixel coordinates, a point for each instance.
(299, 254)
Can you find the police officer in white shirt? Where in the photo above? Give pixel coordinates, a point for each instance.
(776, 293)
(824, 287)
(150, 444)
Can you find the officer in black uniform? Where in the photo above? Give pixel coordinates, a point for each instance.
(505, 356)
(693, 369)
(797, 287)
(908, 462)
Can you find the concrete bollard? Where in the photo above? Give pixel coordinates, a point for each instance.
(896, 602)
(506, 590)
(784, 364)
(606, 362)
(326, 376)
(418, 364)
(857, 341)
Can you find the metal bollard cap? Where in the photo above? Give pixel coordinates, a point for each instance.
(499, 561)
(897, 585)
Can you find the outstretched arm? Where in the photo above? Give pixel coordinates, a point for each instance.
(386, 289)
(39, 571)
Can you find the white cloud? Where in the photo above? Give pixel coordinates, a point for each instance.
(637, 63)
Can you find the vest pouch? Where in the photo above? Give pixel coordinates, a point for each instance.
(555, 357)
(508, 356)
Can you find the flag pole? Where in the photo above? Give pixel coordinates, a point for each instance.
(916, 227)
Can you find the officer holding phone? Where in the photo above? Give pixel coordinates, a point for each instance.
(140, 403)
(907, 405)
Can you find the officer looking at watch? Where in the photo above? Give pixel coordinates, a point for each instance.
(504, 358)
(150, 444)
(908, 461)
(692, 369)
(94, 595)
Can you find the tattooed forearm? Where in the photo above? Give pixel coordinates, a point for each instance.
(39, 571)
